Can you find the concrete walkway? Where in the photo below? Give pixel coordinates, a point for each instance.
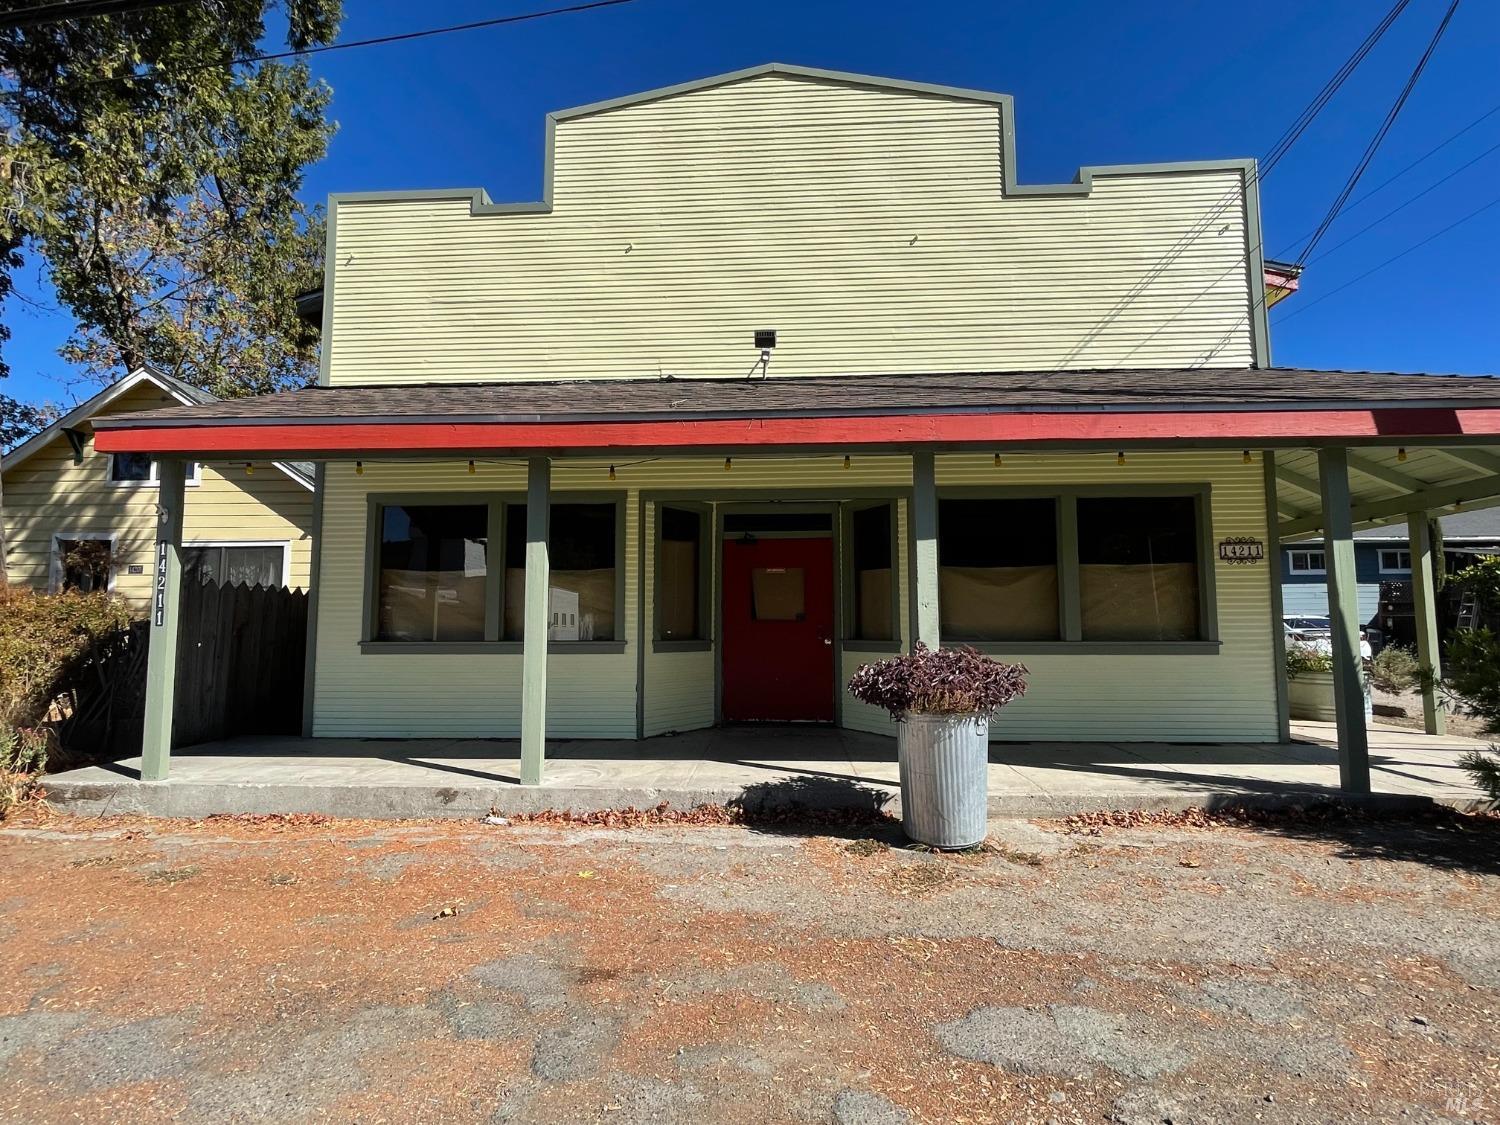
(771, 766)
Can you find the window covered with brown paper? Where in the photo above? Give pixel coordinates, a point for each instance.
(1138, 568)
(997, 570)
(873, 573)
(681, 574)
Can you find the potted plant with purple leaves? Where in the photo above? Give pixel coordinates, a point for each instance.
(942, 701)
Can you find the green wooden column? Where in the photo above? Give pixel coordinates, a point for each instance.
(1274, 577)
(161, 656)
(1343, 616)
(534, 635)
(1424, 607)
(924, 520)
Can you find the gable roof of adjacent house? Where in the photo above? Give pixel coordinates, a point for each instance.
(184, 393)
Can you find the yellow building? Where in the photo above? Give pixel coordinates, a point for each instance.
(788, 369)
(79, 518)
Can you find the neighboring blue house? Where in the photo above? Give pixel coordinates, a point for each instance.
(1381, 555)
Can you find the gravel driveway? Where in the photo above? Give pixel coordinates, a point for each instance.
(233, 970)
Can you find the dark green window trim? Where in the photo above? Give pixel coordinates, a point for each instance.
(1067, 497)
(494, 591)
(846, 536)
(707, 561)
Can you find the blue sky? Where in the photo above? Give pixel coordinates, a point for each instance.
(1094, 82)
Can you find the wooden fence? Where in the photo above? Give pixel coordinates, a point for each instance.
(240, 660)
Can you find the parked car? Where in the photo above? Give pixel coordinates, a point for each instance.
(1316, 631)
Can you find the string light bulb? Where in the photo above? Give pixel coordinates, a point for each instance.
(249, 469)
(998, 462)
(1458, 505)
(1120, 457)
(611, 472)
(1401, 454)
(728, 463)
(471, 467)
(1245, 457)
(359, 468)
(846, 460)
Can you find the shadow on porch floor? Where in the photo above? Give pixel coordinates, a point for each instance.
(813, 765)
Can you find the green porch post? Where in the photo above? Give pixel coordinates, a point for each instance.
(1343, 616)
(924, 533)
(161, 655)
(1274, 576)
(1424, 608)
(534, 635)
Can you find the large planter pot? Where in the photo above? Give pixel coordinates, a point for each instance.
(1309, 695)
(944, 763)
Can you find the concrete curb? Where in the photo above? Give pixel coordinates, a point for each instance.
(400, 802)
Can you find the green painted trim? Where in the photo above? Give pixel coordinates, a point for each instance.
(314, 584)
(502, 648)
(925, 539)
(161, 653)
(681, 646)
(534, 634)
(640, 617)
(1069, 580)
(1099, 648)
(846, 534)
(1424, 606)
(704, 514)
(1274, 576)
(1441, 496)
(330, 262)
(1343, 616)
(857, 648)
(1255, 267)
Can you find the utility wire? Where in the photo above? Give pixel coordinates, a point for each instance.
(77, 10)
(1291, 247)
(1273, 156)
(1380, 134)
(1392, 259)
(376, 41)
(1403, 206)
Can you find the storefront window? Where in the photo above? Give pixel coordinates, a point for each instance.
(1138, 568)
(680, 547)
(997, 569)
(874, 574)
(433, 566)
(581, 587)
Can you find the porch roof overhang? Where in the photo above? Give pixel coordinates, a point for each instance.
(1423, 442)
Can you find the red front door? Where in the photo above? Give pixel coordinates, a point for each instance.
(778, 630)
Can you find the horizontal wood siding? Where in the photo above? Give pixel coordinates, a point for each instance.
(1228, 697)
(48, 495)
(866, 225)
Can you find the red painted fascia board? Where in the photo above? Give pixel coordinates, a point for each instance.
(910, 429)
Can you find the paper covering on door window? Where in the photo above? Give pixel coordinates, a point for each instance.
(777, 594)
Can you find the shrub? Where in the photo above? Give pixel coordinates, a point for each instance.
(1395, 669)
(1473, 683)
(42, 639)
(23, 758)
(945, 681)
(1307, 658)
(1485, 771)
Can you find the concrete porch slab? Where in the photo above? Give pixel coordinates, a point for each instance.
(772, 767)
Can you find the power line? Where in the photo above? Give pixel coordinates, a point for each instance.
(376, 41)
(1380, 135)
(77, 10)
(1273, 156)
(1403, 206)
(1388, 181)
(1392, 259)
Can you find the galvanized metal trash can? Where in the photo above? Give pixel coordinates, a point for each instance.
(944, 762)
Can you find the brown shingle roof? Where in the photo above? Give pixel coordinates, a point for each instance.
(623, 400)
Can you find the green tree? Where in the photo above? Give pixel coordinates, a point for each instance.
(159, 186)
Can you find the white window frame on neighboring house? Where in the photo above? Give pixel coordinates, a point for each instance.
(284, 544)
(1307, 556)
(55, 564)
(153, 481)
(1398, 568)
